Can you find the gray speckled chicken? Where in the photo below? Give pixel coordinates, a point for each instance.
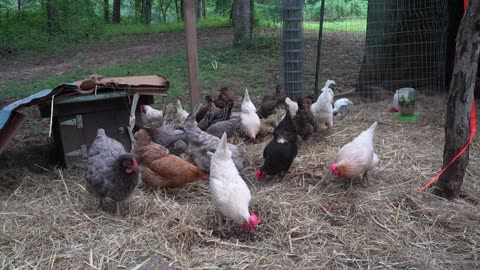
(173, 137)
(202, 145)
(111, 171)
(227, 126)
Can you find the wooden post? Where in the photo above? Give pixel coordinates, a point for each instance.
(192, 53)
(457, 126)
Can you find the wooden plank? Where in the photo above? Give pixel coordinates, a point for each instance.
(192, 53)
(11, 127)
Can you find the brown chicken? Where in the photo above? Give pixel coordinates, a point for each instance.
(304, 121)
(271, 102)
(203, 109)
(224, 97)
(161, 170)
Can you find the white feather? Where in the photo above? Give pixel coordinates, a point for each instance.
(292, 106)
(360, 152)
(230, 194)
(322, 109)
(341, 102)
(181, 113)
(153, 115)
(249, 120)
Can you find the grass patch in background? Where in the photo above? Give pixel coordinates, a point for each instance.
(236, 68)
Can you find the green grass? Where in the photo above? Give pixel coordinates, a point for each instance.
(348, 25)
(114, 30)
(237, 68)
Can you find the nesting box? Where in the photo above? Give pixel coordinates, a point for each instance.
(76, 120)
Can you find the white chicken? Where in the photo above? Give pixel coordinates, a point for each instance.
(357, 157)
(231, 195)
(153, 116)
(340, 107)
(322, 109)
(249, 120)
(181, 113)
(292, 106)
(395, 105)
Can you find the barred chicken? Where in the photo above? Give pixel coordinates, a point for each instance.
(202, 145)
(224, 98)
(214, 115)
(172, 137)
(227, 126)
(111, 172)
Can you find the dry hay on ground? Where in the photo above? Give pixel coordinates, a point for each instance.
(308, 220)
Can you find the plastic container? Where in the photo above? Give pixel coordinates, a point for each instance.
(406, 101)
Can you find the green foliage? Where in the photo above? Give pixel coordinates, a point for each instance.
(67, 22)
(336, 9)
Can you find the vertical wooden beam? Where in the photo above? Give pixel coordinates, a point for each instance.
(192, 53)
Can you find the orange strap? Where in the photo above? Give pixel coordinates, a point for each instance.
(473, 129)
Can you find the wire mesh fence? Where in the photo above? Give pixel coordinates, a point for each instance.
(400, 43)
(292, 48)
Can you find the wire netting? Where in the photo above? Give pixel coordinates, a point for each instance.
(292, 48)
(400, 43)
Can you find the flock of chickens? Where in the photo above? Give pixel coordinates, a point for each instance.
(206, 134)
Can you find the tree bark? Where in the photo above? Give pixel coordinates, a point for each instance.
(146, 17)
(52, 14)
(116, 11)
(242, 22)
(19, 5)
(457, 125)
(106, 11)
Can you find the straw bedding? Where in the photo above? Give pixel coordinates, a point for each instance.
(308, 219)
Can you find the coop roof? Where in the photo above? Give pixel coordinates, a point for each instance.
(11, 120)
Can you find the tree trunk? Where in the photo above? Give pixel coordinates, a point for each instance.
(241, 22)
(457, 126)
(19, 5)
(203, 10)
(52, 20)
(146, 11)
(116, 11)
(179, 10)
(106, 11)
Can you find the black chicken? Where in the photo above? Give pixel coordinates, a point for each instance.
(281, 150)
(111, 171)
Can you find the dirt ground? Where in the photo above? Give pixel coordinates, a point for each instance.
(308, 219)
(107, 53)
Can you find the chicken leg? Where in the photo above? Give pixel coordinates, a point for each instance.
(365, 177)
(118, 208)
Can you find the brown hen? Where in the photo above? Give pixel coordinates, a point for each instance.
(160, 169)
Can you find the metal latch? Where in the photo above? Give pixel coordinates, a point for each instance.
(77, 121)
(82, 152)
